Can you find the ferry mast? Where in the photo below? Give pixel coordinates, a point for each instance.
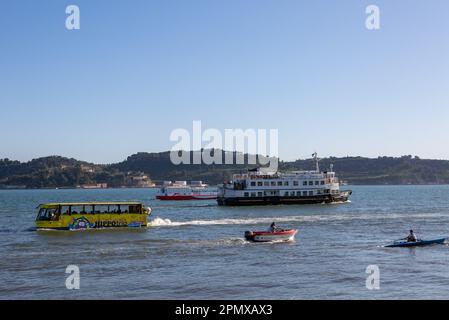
(316, 159)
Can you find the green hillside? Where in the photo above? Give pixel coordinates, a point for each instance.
(55, 171)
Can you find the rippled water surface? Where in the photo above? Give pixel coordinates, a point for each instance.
(196, 250)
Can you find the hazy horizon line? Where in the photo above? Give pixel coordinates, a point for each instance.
(225, 151)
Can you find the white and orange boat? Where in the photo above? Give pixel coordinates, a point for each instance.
(180, 190)
(281, 235)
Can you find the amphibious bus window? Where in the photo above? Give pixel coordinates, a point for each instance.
(135, 208)
(101, 209)
(50, 214)
(116, 209)
(77, 209)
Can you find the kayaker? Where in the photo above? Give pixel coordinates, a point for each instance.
(411, 237)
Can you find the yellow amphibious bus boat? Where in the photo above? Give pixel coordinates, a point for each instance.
(92, 215)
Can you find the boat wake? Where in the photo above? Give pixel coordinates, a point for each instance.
(160, 222)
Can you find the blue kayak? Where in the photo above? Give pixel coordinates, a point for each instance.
(418, 243)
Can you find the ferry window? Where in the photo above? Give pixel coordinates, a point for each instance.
(253, 183)
(292, 193)
(279, 183)
(304, 193)
(266, 183)
(304, 183)
(273, 183)
(322, 182)
(285, 183)
(295, 183)
(318, 192)
(298, 193)
(310, 183)
(260, 194)
(317, 183)
(310, 193)
(65, 210)
(253, 194)
(259, 183)
(246, 194)
(286, 193)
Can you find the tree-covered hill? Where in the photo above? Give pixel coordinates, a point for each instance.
(55, 171)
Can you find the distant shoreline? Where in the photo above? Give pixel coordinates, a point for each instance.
(157, 187)
(146, 169)
(75, 188)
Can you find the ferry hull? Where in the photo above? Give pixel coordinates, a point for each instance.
(185, 197)
(176, 197)
(251, 201)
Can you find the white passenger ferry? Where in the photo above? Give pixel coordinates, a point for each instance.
(180, 190)
(297, 187)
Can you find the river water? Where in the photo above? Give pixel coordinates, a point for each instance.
(196, 250)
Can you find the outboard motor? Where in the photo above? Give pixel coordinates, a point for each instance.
(249, 235)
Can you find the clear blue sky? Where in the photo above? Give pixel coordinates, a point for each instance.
(139, 69)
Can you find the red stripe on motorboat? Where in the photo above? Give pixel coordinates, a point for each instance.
(278, 233)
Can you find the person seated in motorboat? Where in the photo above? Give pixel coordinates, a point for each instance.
(273, 227)
(411, 237)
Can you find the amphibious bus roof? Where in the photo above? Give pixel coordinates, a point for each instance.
(103, 203)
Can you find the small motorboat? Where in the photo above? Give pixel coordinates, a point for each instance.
(280, 235)
(403, 243)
